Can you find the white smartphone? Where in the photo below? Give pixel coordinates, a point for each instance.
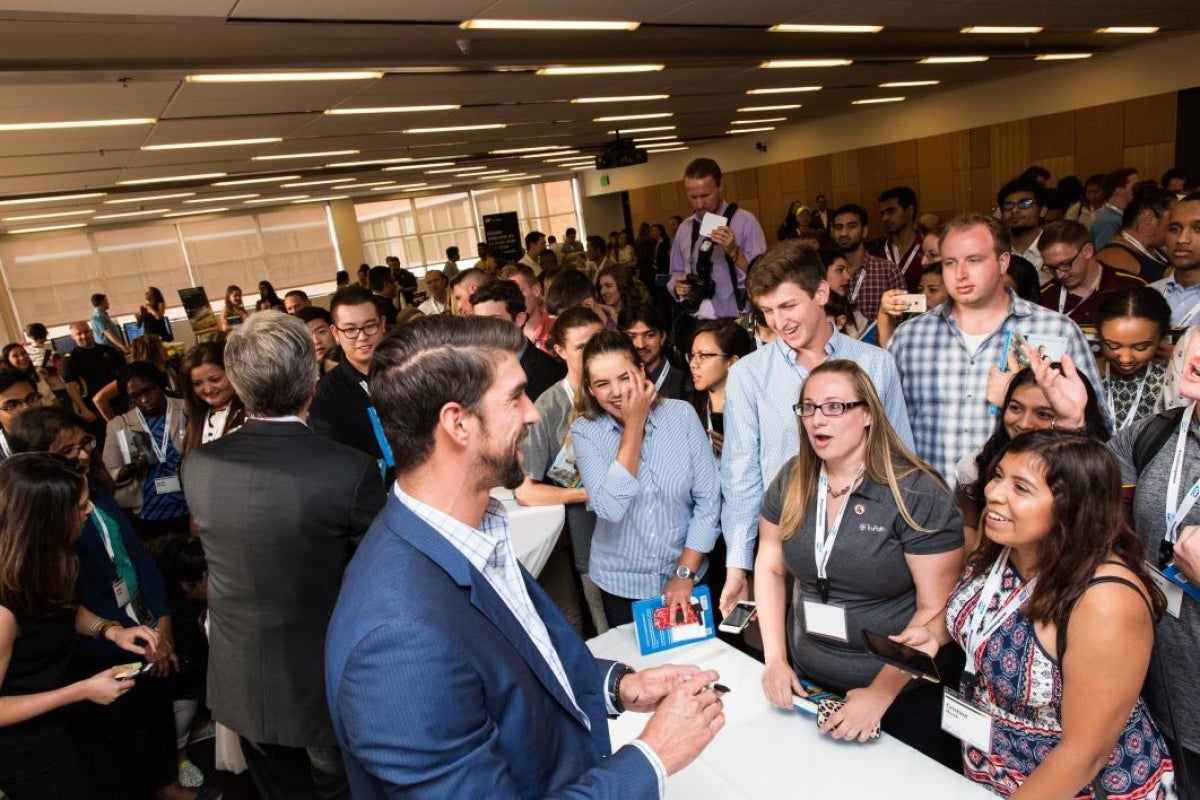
(739, 618)
(914, 303)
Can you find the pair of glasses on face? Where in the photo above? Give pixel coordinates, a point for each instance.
(1065, 266)
(86, 445)
(1024, 204)
(700, 358)
(28, 401)
(833, 408)
(370, 329)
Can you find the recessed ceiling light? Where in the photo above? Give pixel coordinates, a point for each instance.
(548, 25)
(652, 139)
(785, 90)
(519, 178)
(751, 130)
(583, 166)
(428, 188)
(42, 228)
(411, 167)
(669, 149)
(286, 199)
(249, 181)
(567, 159)
(372, 183)
(906, 84)
(512, 151)
(757, 121)
(195, 213)
(284, 77)
(873, 100)
(395, 188)
(651, 129)
(825, 28)
(216, 143)
(457, 170)
(49, 199)
(452, 129)
(322, 199)
(326, 182)
(335, 112)
(556, 153)
(222, 199)
(1062, 56)
(54, 215)
(199, 177)
(150, 198)
(370, 163)
(629, 98)
(322, 154)
(487, 174)
(803, 63)
(953, 60)
(757, 109)
(125, 214)
(1002, 29)
(575, 162)
(1128, 29)
(627, 117)
(82, 123)
(600, 69)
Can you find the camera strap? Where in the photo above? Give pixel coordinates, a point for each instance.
(739, 295)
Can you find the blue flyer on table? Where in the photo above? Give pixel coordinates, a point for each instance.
(656, 631)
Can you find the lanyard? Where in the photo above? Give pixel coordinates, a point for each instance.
(901, 260)
(4, 448)
(1131, 415)
(1062, 295)
(981, 625)
(1187, 318)
(858, 282)
(160, 448)
(823, 547)
(662, 376)
(1175, 510)
(119, 565)
(1141, 248)
(389, 459)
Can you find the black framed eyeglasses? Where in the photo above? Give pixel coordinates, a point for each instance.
(370, 329)
(29, 400)
(86, 445)
(833, 408)
(1023, 204)
(692, 358)
(1065, 266)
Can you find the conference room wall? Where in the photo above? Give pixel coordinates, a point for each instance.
(950, 172)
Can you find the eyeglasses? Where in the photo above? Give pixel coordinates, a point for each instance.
(370, 329)
(834, 408)
(1065, 266)
(86, 445)
(693, 358)
(1022, 204)
(29, 400)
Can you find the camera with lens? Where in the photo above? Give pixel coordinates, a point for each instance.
(700, 283)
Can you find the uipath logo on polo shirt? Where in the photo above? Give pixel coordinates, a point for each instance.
(866, 526)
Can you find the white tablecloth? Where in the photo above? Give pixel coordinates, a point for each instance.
(764, 752)
(534, 531)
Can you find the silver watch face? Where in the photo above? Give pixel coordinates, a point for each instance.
(683, 572)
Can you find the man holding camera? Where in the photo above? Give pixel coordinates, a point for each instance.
(708, 267)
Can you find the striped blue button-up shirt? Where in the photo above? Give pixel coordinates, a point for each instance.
(644, 523)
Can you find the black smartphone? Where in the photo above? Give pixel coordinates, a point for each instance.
(717, 419)
(902, 656)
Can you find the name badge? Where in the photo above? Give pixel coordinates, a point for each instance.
(121, 593)
(821, 619)
(168, 485)
(1174, 593)
(964, 721)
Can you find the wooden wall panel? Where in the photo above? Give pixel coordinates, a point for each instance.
(981, 147)
(818, 175)
(983, 190)
(935, 171)
(1151, 159)
(844, 169)
(962, 196)
(792, 173)
(960, 150)
(1150, 120)
(1099, 132)
(901, 160)
(1010, 151)
(1052, 136)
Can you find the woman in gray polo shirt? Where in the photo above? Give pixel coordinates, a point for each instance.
(874, 541)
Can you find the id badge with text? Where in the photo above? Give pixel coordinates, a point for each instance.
(822, 619)
(964, 721)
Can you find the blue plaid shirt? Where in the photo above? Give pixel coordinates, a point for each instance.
(945, 386)
(762, 431)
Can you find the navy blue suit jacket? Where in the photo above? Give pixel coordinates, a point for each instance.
(436, 691)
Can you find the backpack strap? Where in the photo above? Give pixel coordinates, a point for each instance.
(739, 295)
(1153, 437)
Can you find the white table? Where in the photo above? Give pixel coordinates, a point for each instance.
(534, 530)
(765, 752)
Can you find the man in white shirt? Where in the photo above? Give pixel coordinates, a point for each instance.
(535, 243)
(435, 287)
(1022, 204)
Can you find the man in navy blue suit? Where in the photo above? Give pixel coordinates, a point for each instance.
(449, 672)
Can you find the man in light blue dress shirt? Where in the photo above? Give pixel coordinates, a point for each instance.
(1182, 288)
(761, 430)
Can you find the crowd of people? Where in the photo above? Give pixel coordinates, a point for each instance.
(977, 436)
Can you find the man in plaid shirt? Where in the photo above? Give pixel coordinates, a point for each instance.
(944, 356)
(870, 276)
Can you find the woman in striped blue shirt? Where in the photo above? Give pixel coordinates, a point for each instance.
(651, 478)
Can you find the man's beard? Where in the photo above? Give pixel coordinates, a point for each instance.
(503, 470)
(1020, 230)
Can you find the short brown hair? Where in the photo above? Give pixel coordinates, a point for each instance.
(793, 260)
(1063, 231)
(1001, 241)
(700, 168)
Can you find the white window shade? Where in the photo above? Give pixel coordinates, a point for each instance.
(133, 259)
(52, 279)
(299, 250)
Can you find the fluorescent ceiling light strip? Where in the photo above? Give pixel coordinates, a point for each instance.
(412, 167)
(757, 109)
(1002, 29)
(805, 63)
(322, 199)
(1062, 56)
(583, 166)
(54, 215)
(790, 28)
(644, 130)
(558, 153)
(906, 84)
(56, 199)
(284, 77)
(335, 112)
(519, 178)
(198, 212)
(650, 139)
(221, 199)
(285, 199)
(487, 174)
(82, 123)
(669, 149)
(371, 162)
(455, 128)
(321, 154)
(215, 143)
(873, 100)
(628, 98)
(1129, 29)
(953, 60)
(373, 183)
(249, 181)
(548, 25)
(569, 159)
(757, 121)
(326, 182)
(125, 214)
(394, 188)
(751, 130)
(199, 177)
(428, 188)
(512, 151)
(456, 171)
(785, 90)
(42, 228)
(626, 117)
(150, 198)
(610, 69)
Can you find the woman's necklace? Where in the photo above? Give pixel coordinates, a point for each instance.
(838, 493)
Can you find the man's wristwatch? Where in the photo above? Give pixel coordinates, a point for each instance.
(618, 674)
(684, 572)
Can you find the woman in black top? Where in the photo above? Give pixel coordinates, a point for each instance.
(153, 315)
(43, 506)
